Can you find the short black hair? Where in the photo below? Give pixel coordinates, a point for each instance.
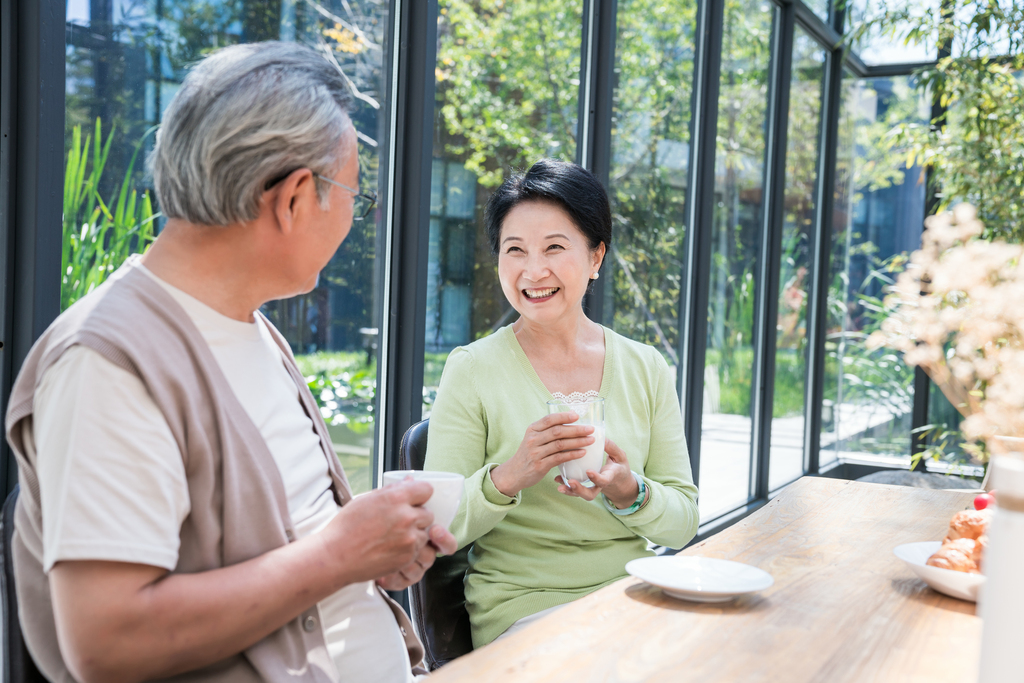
(573, 188)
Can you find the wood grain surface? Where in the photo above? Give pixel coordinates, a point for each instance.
(843, 607)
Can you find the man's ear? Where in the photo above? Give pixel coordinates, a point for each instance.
(292, 202)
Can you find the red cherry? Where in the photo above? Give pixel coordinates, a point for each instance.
(983, 500)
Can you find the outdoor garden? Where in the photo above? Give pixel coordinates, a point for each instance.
(507, 94)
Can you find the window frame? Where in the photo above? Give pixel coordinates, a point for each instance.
(700, 199)
(31, 156)
(32, 52)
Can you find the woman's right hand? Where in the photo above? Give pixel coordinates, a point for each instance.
(549, 442)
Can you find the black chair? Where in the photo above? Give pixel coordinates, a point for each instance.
(18, 664)
(439, 600)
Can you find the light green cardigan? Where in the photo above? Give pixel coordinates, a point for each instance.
(542, 548)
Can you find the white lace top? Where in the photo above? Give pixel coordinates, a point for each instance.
(575, 396)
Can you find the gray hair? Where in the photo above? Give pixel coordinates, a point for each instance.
(246, 116)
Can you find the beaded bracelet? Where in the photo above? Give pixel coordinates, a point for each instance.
(636, 504)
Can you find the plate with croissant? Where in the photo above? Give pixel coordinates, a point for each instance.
(952, 566)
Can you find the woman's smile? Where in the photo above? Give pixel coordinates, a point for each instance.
(538, 295)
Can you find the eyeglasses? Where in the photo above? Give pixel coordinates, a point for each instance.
(362, 206)
(364, 202)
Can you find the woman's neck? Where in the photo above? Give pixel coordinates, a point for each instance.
(565, 337)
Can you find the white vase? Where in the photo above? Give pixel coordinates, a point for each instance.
(1003, 445)
(1001, 604)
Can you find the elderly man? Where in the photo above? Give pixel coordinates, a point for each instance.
(183, 515)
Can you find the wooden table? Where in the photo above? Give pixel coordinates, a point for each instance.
(843, 607)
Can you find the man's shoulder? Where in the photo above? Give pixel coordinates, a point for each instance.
(87, 362)
(85, 384)
(124, 311)
(134, 325)
(79, 358)
(119, 304)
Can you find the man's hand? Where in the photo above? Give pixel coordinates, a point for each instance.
(441, 541)
(124, 623)
(381, 532)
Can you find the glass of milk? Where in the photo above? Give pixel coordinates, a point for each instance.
(591, 412)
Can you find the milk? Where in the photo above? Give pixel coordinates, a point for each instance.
(592, 460)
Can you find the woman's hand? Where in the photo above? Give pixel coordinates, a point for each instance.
(615, 480)
(549, 442)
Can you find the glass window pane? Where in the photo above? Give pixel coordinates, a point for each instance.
(125, 61)
(946, 418)
(878, 216)
(819, 7)
(1001, 38)
(739, 171)
(874, 47)
(648, 176)
(507, 93)
(803, 133)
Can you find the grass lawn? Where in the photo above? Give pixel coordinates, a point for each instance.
(355, 454)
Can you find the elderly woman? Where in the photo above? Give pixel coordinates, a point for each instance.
(538, 541)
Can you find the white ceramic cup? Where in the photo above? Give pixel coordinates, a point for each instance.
(444, 502)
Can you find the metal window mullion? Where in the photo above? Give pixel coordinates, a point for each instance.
(407, 225)
(385, 188)
(855, 64)
(922, 385)
(821, 31)
(837, 20)
(8, 173)
(817, 306)
(767, 293)
(584, 115)
(700, 207)
(594, 148)
(31, 179)
(597, 85)
(893, 70)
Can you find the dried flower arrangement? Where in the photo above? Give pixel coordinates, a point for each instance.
(957, 312)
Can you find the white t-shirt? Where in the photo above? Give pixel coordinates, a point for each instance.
(113, 483)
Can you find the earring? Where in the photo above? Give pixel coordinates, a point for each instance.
(595, 276)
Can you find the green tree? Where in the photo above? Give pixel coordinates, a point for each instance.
(507, 83)
(507, 93)
(648, 177)
(975, 147)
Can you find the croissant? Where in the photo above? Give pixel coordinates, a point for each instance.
(979, 549)
(968, 524)
(957, 555)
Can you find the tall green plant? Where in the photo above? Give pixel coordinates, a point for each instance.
(98, 235)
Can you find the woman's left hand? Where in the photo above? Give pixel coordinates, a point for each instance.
(615, 480)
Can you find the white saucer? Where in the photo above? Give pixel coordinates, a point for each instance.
(954, 584)
(700, 579)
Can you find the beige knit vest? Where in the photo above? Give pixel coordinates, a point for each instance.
(238, 503)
